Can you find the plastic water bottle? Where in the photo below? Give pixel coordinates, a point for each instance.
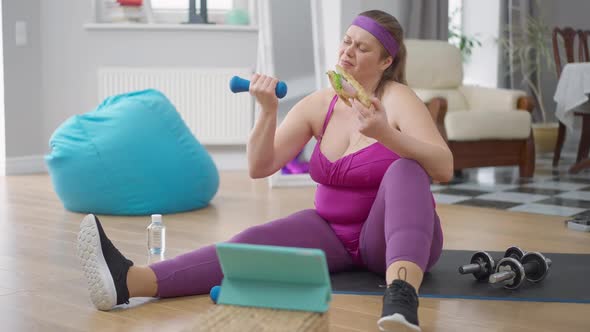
(156, 236)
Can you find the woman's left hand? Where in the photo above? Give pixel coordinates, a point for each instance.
(373, 120)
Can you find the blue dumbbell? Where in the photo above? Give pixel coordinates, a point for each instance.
(214, 293)
(238, 84)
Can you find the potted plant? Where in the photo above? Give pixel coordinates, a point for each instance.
(528, 47)
(465, 43)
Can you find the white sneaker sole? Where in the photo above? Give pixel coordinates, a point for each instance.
(100, 282)
(397, 322)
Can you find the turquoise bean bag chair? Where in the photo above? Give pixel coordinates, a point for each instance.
(132, 155)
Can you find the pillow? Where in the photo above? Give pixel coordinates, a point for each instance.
(132, 155)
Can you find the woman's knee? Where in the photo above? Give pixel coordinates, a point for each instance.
(406, 168)
(251, 235)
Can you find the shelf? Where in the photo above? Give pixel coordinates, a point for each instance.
(169, 27)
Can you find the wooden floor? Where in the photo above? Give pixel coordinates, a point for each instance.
(42, 289)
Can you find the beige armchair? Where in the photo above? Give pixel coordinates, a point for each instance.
(482, 126)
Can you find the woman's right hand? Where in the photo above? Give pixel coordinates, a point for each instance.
(263, 87)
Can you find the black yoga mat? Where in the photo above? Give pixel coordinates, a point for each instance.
(568, 281)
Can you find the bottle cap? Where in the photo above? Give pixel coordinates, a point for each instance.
(157, 218)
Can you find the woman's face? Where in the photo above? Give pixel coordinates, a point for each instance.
(360, 54)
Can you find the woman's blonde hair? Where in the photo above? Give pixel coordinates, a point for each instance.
(397, 70)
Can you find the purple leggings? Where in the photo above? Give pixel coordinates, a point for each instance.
(402, 226)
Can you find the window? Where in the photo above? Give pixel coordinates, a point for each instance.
(170, 11)
(455, 22)
(215, 5)
(176, 11)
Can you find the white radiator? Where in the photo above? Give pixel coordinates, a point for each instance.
(215, 115)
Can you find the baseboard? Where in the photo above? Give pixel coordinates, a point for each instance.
(25, 165)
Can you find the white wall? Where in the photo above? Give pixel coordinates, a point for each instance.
(2, 128)
(292, 49)
(292, 39)
(482, 19)
(330, 18)
(293, 52)
(22, 80)
(55, 76)
(72, 55)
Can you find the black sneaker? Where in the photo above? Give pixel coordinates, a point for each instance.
(400, 308)
(105, 268)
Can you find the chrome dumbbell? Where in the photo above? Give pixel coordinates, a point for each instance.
(510, 273)
(482, 264)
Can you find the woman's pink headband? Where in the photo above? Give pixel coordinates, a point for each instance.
(378, 32)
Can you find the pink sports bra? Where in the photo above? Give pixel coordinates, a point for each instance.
(347, 187)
